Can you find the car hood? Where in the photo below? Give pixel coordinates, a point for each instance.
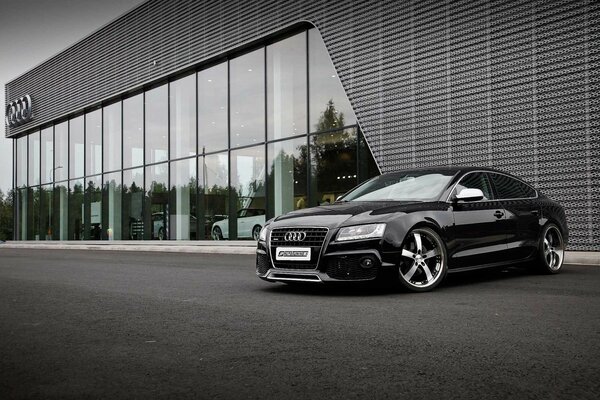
(344, 214)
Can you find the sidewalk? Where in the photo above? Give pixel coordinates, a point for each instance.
(207, 247)
(174, 246)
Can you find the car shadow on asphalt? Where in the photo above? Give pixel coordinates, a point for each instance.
(389, 287)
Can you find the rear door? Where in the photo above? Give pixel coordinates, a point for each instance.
(522, 212)
(480, 226)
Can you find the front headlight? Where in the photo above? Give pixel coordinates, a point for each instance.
(359, 232)
(262, 236)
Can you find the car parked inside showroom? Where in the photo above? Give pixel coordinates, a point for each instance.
(249, 223)
(419, 225)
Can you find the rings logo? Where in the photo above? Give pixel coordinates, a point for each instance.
(19, 112)
(294, 236)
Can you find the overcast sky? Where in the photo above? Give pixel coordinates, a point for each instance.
(36, 30)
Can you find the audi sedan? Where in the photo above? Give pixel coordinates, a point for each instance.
(418, 225)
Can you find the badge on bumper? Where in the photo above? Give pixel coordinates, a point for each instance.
(293, 254)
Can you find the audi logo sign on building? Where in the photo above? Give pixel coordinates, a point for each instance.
(19, 112)
(294, 236)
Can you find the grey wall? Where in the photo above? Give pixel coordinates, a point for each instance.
(510, 84)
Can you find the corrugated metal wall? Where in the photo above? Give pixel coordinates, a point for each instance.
(510, 84)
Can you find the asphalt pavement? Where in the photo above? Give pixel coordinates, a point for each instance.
(101, 324)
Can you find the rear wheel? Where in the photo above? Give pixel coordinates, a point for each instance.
(552, 250)
(424, 261)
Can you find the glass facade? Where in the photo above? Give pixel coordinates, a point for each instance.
(209, 155)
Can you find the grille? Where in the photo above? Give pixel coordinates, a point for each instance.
(315, 237)
(262, 264)
(348, 268)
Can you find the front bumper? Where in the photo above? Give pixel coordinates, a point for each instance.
(339, 263)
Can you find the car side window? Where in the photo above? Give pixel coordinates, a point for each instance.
(509, 188)
(476, 180)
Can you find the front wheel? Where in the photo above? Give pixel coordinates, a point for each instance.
(217, 234)
(551, 250)
(424, 261)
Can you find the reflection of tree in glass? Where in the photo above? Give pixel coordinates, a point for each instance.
(330, 118)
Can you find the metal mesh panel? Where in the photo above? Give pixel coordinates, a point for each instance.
(509, 84)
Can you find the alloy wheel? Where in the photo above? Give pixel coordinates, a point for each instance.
(424, 260)
(554, 249)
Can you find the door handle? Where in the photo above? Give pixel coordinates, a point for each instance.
(498, 214)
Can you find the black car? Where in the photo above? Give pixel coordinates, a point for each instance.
(418, 225)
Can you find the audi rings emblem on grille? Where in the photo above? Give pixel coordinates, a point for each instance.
(294, 236)
(18, 112)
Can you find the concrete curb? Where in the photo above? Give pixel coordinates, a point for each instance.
(165, 247)
(211, 247)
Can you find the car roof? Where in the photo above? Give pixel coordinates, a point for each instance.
(450, 169)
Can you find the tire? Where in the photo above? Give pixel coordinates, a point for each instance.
(424, 260)
(256, 232)
(551, 253)
(217, 234)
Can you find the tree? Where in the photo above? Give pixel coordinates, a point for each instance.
(330, 118)
(6, 215)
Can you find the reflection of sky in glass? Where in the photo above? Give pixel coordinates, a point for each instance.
(76, 161)
(93, 142)
(112, 137)
(248, 166)
(182, 116)
(286, 87)
(215, 170)
(212, 108)
(34, 158)
(247, 99)
(324, 83)
(47, 155)
(133, 135)
(156, 124)
(22, 161)
(61, 156)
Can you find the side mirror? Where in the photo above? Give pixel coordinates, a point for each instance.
(469, 195)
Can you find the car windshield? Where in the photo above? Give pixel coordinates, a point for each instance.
(410, 186)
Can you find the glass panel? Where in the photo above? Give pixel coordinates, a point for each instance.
(287, 176)
(248, 189)
(22, 162)
(286, 87)
(367, 167)
(157, 116)
(61, 152)
(76, 147)
(247, 98)
(76, 195)
(133, 131)
(112, 206)
(47, 154)
(46, 212)
(93, 142)
(157, 202)
(509, 188)
(93, 208)
(182, 117)
(22, 213)
(61, 210)
(476, 180)
(216, 194)
(333, 165)
(33, 231)
(183, 200)
(212, 109)
(133, 196)
(112, 137)
(329, 106)
(34, 159)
